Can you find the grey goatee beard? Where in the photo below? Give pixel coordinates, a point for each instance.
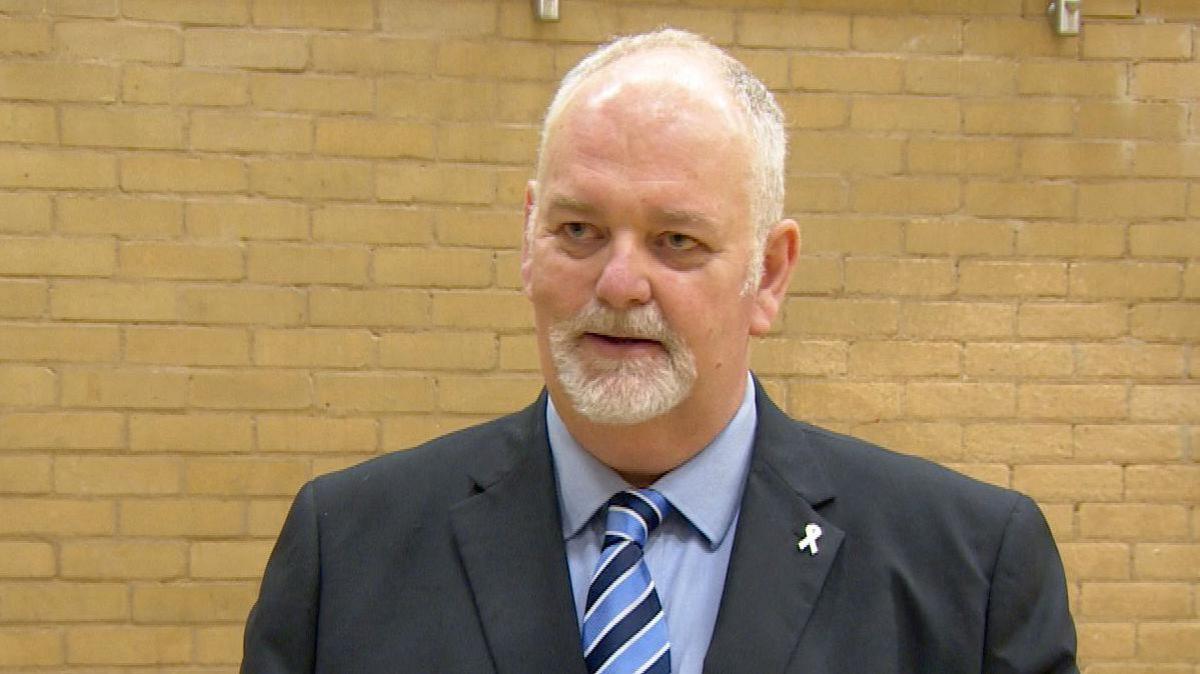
(621, 391)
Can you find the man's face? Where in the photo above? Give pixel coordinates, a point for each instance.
(640, 245)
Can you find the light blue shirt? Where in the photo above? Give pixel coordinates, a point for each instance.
(688, 554)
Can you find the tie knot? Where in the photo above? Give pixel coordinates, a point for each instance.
(633, 515)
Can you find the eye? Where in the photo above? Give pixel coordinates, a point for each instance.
(679, 242)
(577, 230)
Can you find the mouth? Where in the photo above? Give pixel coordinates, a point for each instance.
(620, 345)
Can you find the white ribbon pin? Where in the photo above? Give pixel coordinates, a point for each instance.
(811, 533)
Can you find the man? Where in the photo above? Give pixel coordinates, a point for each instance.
(738, 540)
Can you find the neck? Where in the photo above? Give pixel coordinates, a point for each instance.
(641, 453)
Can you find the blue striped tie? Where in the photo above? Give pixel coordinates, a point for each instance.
(624, 631)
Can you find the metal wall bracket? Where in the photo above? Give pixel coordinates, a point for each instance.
(547, 10)
(1065, 16)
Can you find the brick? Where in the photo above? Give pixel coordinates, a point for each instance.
(166, 173)
(370, 54)
(908, 34)
(885, 358)
(1164, 561)
(1019, 360)
(1015, 37)
(312, 179)
(1056, 483)
(988, 473)
(493, 395)
(30, 647)
(1125, 120)
(433, 267)
(48, 602)
(57, 430)
(25, 559)
(919, 277)
(852, 235)
(189, 516)
(1072, 401)
(496, 61)
(823, 152)
(486, 143)
(1122, 9)
(252, 220)
(438, 350)
(122, 217)
(229, 560)
(25, 475)
(25, 37)
(1134, 600)
(438, 100)
(281, 263)
(404, 432)
(241, 305)
(1166, 80)
(210, 12)
(314, 348)
(37, 516)
(193, 602)
(297, 93)
(1071, 78)
(497, 311)
(1097, 280)
(377, 308)
(375, 392)
(372, 224)
(1132, 200)
(1087, 561)
(906, 195)
(519, 353)
(24, 213)
(251, 389)
(1133, 521)
(771, 67)
(186, 346)
(279, 433)
(1137, 41)
(717, 25)
(961, 76)
(958, 320)
(845, 401)
(1191, 281)
(1170, 9)
(1070, 240)
(792, 31)
(346, 15)
(129, 645)
(58, 81)
(812, 111)
(1068, 159)
(1165, 240)
(1169, 641)
(1165, 322)
(430, 18)
(1163, 484)
(1019, 199)
(116, 475)
(190, 433)
(972, 156)
(841, 317)
(57, 257)
(173, 86)
(524, 102)
(101, 559)
(1166, 160)
(23, 299)
(107, 300)
(1017, 443)
(259, 477)
(27, 386)
(958, 237)
(866, 74)
(127, 387)
(960, 400)
(222, 132)
(244, 49)
(83, 40)
(1129, 360)
(186, 261)
(55, 169)
(88, 8)
(1170, 402)
(1106, 640)
(816, 275)
(265, 517)
(435, 184)
(1018, 117)
(590, 23)
(26, 123)
(769, 356)
(369, 138)
(936, 441)
(59, 343)
(219, 645)
(1020, 279)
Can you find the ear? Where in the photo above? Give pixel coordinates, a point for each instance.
(779, 258)
(530, 216)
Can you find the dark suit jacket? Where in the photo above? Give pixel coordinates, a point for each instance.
(449, 558)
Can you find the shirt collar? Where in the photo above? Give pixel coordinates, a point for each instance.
(706, 489)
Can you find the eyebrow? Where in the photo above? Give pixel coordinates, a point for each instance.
(677, 216)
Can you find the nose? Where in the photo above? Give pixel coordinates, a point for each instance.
(623, 282)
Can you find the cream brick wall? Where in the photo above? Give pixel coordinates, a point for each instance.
(245, 242)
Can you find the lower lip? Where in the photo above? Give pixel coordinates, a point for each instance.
(613, 347)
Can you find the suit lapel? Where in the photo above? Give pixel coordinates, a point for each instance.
(772, 587)
(510, 537)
